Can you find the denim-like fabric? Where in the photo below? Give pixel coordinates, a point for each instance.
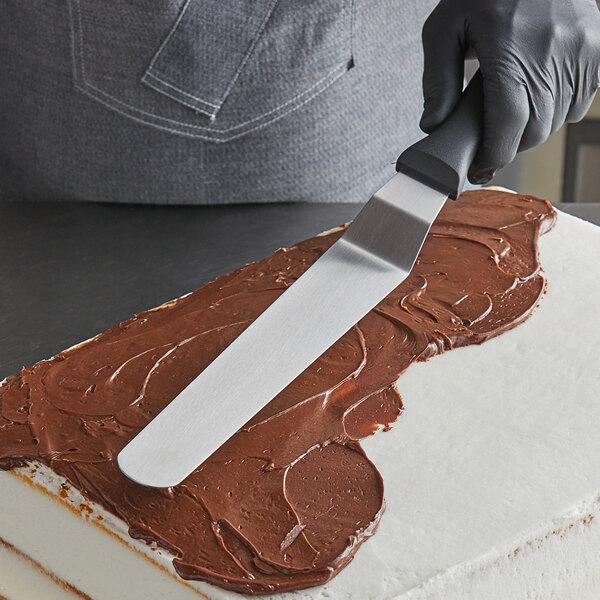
(206, 101)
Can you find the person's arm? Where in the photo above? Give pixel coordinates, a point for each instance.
(540, 61)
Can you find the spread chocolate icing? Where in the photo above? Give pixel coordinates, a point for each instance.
(287, 501)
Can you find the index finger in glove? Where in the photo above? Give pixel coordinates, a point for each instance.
(443, 73)
(506, 114)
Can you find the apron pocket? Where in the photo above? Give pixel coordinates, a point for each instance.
(209, 69)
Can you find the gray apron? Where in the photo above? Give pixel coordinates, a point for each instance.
(206, 101)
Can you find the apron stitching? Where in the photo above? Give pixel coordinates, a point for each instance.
(193, 134)
(166, 41)
(155, 73)
(152, 74)
(73, 42)
(262, 119)
(342, 68)
(211, 107)
(352, 17)
(81, 40)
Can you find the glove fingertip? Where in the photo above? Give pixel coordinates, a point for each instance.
(481, 174)
(434, 114)
(429, 122)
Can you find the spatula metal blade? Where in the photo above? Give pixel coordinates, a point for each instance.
(369, 261)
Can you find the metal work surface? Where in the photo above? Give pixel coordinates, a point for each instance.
(69, 271)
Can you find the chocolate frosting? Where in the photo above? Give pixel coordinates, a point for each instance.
(287, 501)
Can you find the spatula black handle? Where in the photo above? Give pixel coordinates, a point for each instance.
(442, 159)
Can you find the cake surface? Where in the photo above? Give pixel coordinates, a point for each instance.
(407, 460)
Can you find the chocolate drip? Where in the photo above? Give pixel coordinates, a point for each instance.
(288, 500)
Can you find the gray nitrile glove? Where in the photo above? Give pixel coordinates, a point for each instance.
(540, 61)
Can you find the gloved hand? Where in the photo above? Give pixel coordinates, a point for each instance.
(540, 61)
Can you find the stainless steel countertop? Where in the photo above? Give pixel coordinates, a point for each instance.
(69, 271)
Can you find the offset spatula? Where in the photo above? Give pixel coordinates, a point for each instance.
(369, 261)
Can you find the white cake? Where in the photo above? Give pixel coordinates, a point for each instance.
(492, 477)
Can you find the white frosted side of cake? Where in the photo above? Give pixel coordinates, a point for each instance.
(492, 473)
(19, 578)
(81, 543)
